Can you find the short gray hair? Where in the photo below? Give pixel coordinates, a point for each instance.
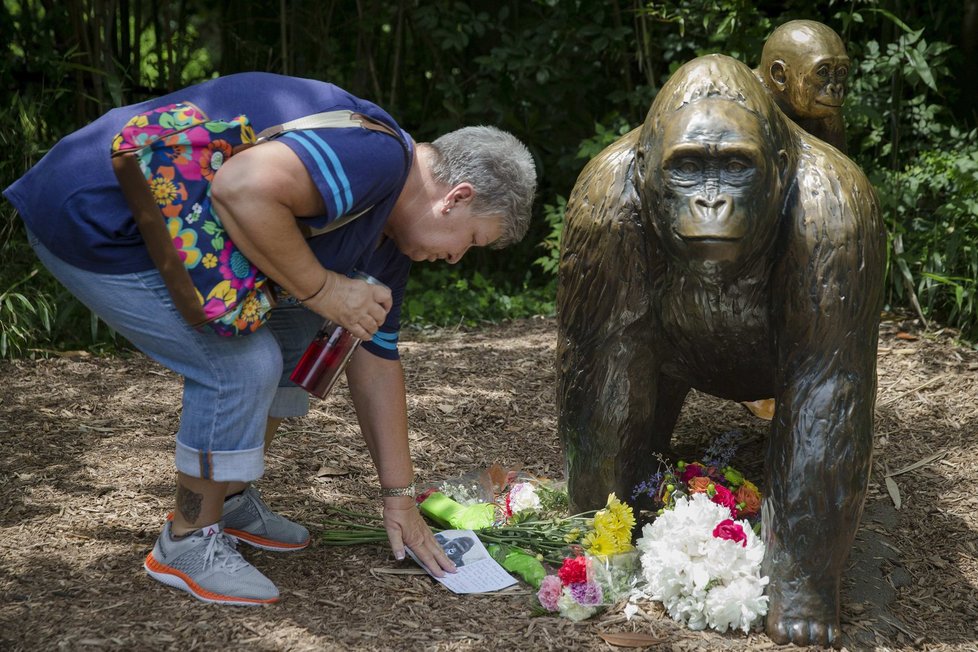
(500, 169)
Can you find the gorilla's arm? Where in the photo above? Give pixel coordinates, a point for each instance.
(827, 304)
(604, 344)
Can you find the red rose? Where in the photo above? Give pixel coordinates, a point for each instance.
(574, 569)
(691, 471)
(731, 532)
(725, 498)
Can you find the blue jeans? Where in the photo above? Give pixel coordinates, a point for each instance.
(231, 384)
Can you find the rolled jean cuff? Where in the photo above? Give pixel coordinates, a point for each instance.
(289, 402)
(221, 466)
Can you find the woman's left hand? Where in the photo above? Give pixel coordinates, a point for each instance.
(407, 528)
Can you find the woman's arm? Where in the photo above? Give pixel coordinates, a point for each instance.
(377, 387)
(257, 194)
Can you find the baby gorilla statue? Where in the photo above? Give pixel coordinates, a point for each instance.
(720, 247)
(805, 68)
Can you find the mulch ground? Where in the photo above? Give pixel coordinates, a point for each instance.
(86, 479)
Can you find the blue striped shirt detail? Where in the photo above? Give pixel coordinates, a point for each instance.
(323, 168)
(385, 340)
(338, 166)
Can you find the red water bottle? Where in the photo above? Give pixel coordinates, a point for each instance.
(327, 355)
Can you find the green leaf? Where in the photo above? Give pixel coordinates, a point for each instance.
(892, 17)
(920, 66)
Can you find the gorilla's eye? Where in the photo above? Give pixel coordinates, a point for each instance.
(841, 73)
(736, 166)
(687, 166)
(822, 71)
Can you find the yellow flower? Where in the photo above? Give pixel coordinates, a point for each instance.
(249, 309)
(185, 240)
(597, 542)
(247, 134)
(621, 511)
(224, 292)
(612, 529)
(138, 121)
(163, 189)
(210, 261)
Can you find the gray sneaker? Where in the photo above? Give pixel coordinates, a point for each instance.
(247, 518)
(207, 565)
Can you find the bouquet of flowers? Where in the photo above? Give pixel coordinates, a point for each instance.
(601, 569)
(571, 592)
(712, 476)
(701, 557)
(516, 512)
(704, 566)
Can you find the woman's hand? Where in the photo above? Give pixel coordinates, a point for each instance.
(354, 304)
(406, 528)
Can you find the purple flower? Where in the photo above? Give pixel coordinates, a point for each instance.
(587, 594)
(549, 593)
(722, 450)
(649, 487)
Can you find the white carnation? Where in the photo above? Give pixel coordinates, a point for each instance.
(738, 604)
(522, 497)
(700, 579)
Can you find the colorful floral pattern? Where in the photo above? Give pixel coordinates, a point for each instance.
(180, 149)
(185, 240)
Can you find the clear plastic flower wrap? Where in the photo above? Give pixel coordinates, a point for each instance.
(466, 489)
(617, 574)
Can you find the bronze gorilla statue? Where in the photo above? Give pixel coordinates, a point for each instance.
(720, 247)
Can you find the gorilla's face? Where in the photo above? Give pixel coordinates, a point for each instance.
(816, 84)
(454, 551)
(715, 176)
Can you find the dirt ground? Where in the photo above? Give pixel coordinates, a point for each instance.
(86, 479)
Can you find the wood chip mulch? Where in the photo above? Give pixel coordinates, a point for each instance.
(86, 479)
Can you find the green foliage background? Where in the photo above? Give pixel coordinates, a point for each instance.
(566, 76)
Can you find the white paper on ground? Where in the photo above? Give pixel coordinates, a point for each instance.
(477, 571)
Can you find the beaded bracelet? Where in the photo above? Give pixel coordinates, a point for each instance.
(390, 492)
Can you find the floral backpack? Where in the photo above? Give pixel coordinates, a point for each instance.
(165, 160)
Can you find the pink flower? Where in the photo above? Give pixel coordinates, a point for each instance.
(215, 307)
(731, 532)
(573, 570)
(549, 593)
(691, 471)
(235, 267)
(725, 498)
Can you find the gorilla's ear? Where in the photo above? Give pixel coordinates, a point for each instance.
(779, 74)
(639, 163)
(783, 170)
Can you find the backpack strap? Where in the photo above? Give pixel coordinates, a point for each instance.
(328, 119)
